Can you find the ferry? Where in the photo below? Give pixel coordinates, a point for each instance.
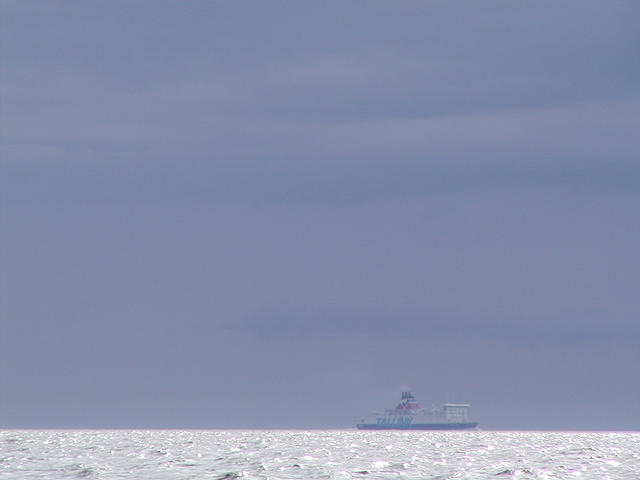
(408, 415)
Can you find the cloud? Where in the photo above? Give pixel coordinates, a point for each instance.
(443, 79)
(356, 180)
(419, 179)
(441, 324)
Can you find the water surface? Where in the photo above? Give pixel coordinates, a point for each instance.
(342, 454)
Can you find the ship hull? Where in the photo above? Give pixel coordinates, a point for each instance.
(418, 426)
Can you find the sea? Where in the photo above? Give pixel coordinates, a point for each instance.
(316, 454)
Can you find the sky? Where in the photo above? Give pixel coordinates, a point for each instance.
(281, 214)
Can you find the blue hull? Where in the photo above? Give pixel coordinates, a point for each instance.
(418, 426)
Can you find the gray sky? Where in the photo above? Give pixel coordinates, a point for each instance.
(278, 214)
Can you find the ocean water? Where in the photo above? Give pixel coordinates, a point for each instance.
(341, 454)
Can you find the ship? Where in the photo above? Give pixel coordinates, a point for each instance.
(408, 415)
